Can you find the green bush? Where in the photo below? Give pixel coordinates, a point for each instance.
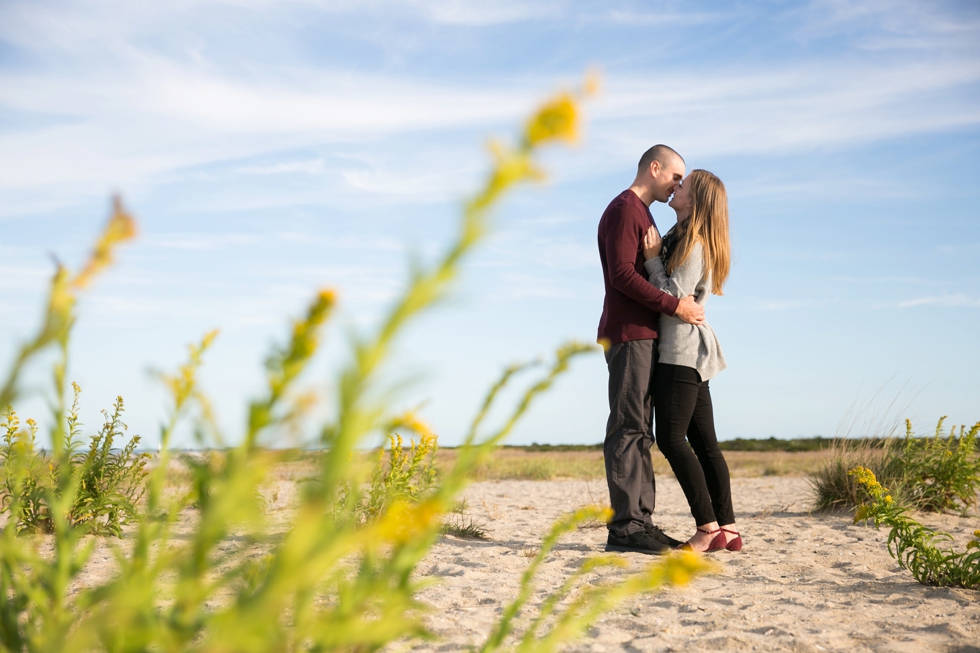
(941, 473)
(400, 474)
(923, 551)
(225, 579)
(105, 484)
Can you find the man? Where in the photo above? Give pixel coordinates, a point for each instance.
(628, 332)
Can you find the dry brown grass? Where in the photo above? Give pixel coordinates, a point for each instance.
(516, 464)
(542, 466)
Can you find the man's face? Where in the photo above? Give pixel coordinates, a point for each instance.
(666, 178)
(681, 201)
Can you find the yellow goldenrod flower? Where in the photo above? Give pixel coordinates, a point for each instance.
(405, 520)
(975, 542)
(556, 120)
(866, 477)
(679, 567)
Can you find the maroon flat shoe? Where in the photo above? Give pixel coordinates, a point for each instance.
(716, 544)
(734, 545)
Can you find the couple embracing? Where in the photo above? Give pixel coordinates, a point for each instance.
(661, 353)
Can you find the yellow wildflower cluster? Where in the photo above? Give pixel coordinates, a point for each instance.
(304, 341)
(406, 520)
(866, 477)
(305, 330)
(678, 568)
(880, 498)
(556, 120)
(975, 542)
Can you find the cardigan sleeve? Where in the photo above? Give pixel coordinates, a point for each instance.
(685, 278)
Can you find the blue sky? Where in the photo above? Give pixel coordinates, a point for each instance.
(273, 148)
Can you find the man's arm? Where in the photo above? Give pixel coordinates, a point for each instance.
(622, 245)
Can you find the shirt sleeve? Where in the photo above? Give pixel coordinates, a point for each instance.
(685, 278)
(622, 245)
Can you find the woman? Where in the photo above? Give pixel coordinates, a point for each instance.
(693, 259)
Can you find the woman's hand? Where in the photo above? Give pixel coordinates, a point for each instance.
(651, 243)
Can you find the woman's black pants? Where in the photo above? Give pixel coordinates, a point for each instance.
(683, 408)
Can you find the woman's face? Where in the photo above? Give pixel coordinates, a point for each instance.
(681, 201)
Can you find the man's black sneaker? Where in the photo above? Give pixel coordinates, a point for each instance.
(639, 542)
(658, 534)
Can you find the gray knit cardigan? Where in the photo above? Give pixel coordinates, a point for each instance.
(681, 343)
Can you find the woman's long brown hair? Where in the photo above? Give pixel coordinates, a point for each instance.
(708, 225)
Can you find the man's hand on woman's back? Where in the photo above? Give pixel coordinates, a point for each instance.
(690, 311)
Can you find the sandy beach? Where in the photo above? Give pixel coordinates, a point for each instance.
(803, 582)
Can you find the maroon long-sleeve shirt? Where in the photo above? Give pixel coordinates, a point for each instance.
(632, 307)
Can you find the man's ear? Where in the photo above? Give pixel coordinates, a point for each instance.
(654, 168)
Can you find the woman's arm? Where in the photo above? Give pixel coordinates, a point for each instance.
(684, 280)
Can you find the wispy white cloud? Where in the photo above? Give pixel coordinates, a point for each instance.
(888, 280)
(449, 12)
(959, 248)
(890, 24)
(957, 299)
(794, 108)
(465, 12)
(24, 277)
(788, 304)
(662, 18)
(311, 167)
(133, 115)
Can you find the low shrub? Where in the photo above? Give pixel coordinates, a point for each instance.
(923, 551)
(834, 488)
(933, 473)
(400, 474)
(941, 473)
(101, 486)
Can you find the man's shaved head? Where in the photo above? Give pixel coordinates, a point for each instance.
(665, 155)
(659, 174)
